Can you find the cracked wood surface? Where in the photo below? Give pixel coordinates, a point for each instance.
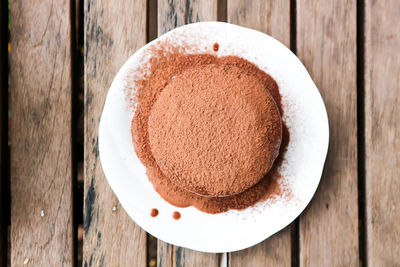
(40, 122)
(113, 32)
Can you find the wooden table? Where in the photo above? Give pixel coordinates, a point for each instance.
(350, 48)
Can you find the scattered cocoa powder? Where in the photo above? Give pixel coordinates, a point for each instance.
(165, 69)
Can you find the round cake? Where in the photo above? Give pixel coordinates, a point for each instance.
(215, 130)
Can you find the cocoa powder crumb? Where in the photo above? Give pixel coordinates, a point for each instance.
(154, 213)
(216, 47)
(176, 215)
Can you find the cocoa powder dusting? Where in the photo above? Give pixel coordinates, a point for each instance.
(214, 131)
(230, 105)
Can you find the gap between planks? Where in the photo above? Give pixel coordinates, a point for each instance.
(4, 163)
(362, 236)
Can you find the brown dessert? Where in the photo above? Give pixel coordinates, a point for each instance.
(167, 136)
(215, 130)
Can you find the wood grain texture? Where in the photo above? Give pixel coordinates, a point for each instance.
(3, 131)
(165, 254)
(275, 251)
(273, 18)
(172, 256)
(382, 132)
(40, 132)
(113, 32)
(326, 44)
(172, 14)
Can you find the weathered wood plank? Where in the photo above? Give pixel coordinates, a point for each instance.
(275, 251)
(326, 44)
(188, 257)
(172, 256)
(172, 14)
(112, 33)
(273, 18)
(3, 130)
(40, 132)
(382, 131)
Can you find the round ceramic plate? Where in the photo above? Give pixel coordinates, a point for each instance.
(304, 114)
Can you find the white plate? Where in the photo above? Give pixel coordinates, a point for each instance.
(304, 113)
